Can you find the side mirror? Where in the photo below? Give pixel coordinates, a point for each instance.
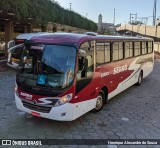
(85, 65)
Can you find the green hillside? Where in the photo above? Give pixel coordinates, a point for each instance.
(44, 11)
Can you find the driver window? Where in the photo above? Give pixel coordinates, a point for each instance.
(85, 61)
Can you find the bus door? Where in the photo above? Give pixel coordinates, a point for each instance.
(87, 81)
(14, 54)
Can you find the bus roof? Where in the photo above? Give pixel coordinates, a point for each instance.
(77, 39)
(27, 36)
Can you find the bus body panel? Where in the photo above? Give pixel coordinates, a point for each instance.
(90, 91)
(130, 77)
(66, 112)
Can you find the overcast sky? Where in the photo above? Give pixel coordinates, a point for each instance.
(92, 8)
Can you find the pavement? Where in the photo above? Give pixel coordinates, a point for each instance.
(133, 114)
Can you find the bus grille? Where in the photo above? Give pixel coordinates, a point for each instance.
(36, 107)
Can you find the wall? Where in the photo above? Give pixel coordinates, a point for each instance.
(157, 46)
(153, 31)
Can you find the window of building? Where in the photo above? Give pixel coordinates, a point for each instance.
(144, 47)
(150, 47)
(128, 49)
(117, 51)
(137, 49)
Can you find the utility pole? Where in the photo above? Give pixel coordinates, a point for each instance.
(131, 18)
(70, 6)
(86, 15)
(114, 19)
(154, 12)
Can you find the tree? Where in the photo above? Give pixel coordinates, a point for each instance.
(103, 29)
(43, 11)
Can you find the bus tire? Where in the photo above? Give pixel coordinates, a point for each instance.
(140, 78)
(100, 102)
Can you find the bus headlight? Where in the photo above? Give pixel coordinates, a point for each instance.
(63, 100)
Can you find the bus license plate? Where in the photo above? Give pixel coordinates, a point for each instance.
(36, 114)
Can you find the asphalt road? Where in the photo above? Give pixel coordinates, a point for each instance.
(133, 114)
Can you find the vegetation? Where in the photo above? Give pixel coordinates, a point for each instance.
(43, 11)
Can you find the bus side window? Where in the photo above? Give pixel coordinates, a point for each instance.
(150, 48)
(144, 48)
(103, 52)
(107, 52)
(117, 51)
(128, 49)
(137, 49)
(100, 58)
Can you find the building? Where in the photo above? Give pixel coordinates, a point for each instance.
(105, 28)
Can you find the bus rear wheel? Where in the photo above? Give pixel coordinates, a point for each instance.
(100, 102)
(140, 79)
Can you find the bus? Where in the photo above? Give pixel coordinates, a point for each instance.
(14, 48)
(71, 74)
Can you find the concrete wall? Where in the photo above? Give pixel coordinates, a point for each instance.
(153, 31)
(157, 46)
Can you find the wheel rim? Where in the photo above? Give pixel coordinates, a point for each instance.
(99, 102)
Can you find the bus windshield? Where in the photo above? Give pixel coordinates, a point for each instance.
(51, 66)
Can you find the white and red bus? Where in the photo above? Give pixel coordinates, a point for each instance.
(69, 75)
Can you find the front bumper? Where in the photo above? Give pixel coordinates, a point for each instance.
(60, 113)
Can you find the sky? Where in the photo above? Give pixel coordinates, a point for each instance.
(92, 8)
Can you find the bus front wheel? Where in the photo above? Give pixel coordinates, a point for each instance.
(140, 79)
(100, 102)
